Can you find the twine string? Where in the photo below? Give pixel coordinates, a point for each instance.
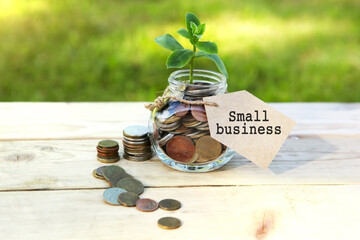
(160, 101)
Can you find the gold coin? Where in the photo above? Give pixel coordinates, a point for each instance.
(96, 175)
(207, 148)
(169, 204)
(131, 185)
(169, 223)
(128, 199)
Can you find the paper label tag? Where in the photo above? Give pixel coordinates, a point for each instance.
(248, 126)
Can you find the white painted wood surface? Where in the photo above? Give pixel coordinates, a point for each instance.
(47, 154)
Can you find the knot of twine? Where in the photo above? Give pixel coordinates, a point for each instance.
(160, 101)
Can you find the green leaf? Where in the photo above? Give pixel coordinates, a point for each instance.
(179, 58)
(208, 47)
(183, 32)
(216, 59)
(190, 17)
(194, 27)
(169, 42)
(200, 30)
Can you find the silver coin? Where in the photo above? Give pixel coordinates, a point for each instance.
(111, 195)
(135, 131)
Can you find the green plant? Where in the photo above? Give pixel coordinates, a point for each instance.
(180, 56)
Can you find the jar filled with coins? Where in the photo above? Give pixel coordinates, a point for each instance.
(179, 129)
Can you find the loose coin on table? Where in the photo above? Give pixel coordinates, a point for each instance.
(131, 185)
(94, 173)
(146, 205)
(111, 195)
(207, 148)
(180, 148)
(128, 199)
(113, 174)
(100, 171)
(169, 204)
(169, 223)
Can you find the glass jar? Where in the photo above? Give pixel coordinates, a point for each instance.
(179, 131)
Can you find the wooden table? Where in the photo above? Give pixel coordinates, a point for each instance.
(47, 191)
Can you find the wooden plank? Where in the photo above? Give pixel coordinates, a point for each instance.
(106, 120)
(68, 164)
(257, 212)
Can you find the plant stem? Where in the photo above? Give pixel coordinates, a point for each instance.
(192, 65)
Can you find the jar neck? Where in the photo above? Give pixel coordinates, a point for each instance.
(205, 83)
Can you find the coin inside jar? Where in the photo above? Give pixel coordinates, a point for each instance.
(182, 109)
(169, 204)
(199, 113)
(146, 205)
(207, 148)
(180, 148)
(128, 199)
(169, 223)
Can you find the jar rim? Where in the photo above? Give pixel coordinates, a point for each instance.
(220, 78)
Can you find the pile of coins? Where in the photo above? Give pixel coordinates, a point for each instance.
(182, 131)
(137, 146)
(125, 190)
(108, 151)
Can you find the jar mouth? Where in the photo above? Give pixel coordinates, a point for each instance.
(199, 75)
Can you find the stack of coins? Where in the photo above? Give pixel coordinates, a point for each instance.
(182, 131)
(137, 146)
(125, 190)
(108, 151)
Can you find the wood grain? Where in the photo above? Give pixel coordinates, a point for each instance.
(69, 164)
(22, 121)
(252, 213)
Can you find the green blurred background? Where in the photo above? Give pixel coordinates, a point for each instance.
(87, 50)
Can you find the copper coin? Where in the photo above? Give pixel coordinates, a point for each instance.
(111, 195)
(208, 149)
(180, 148)
(128, 199)
(131, 185)
(199, 113)
(146, 205)
(182, 109)
(169, 204)
(169, 223)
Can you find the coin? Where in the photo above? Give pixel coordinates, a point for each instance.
(106, 160)
(146, 205)
(165, 139)
(169, 204)
(208, 149)
(96, 175)
(169, 223)
(113, 174)
(137, 158)
(180, 148)
(111, 195)
(128, 199)
(131, 185)
(108, 144)
(182, 109)
(199, 113)
(135, 131)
